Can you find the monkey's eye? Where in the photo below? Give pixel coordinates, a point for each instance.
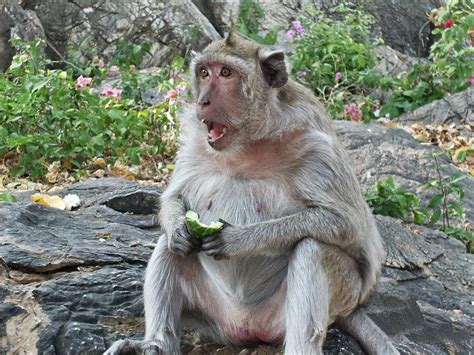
(203, 72)
(225, 72)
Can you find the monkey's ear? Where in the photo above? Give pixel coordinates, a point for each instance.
(274, 68)
(230, 38)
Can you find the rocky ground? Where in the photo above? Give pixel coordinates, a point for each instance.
(71, 282)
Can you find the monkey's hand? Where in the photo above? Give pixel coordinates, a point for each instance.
(226, 243)
(182, 242)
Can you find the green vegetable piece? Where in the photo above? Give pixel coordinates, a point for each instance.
(198, 229)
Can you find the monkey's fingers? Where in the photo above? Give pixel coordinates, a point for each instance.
(152, 350)
(181, 246)
(208, 244)
(226, 224)
(210, 238)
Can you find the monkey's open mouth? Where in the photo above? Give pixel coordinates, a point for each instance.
(215, 131)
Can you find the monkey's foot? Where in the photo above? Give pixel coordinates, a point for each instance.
(134, 347)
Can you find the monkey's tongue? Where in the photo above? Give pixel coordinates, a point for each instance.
(217, 131)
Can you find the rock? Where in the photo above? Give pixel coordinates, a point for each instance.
(378, 152)
(71, 282)
(392, 62)
(170, 28)
(402, 25)
(457, 108)
(16, 21)
(6, 50)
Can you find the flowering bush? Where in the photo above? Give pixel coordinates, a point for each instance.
(451, 61)
(55, 115)
(332, 57)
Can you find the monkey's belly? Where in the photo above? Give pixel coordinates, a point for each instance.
(262, 323)
(248, 304)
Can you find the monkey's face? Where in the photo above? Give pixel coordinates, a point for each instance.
(219, 102)
(234, 82)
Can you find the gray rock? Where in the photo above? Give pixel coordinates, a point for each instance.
(392, 62)
(67, 286)
(16, 21)
(378, 152)
(457, 108)
(170, 27)
(6, 50)
(402, 24)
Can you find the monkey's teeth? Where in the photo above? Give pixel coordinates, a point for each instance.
(224, 131)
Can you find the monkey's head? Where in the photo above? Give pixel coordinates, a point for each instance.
(235, 82)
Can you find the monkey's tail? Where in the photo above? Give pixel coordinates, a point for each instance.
(372, 339)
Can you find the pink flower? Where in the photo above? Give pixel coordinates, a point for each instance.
(471, 80)
(116, 93)
(113, 69)
(101, 63)
(448, 24)
(82, 81)
(173, 93)
(298, 27)
(290, 34)
(338, 76)
(300, 74)
(353, 111)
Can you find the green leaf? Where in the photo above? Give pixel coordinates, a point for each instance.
(419, 216)
(435, 201)
(435, 217)
(7, 196)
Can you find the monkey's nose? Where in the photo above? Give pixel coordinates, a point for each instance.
(204, 100)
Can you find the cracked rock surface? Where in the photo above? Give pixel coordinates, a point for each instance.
(71, 282)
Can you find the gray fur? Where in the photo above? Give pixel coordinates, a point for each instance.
(300, 248)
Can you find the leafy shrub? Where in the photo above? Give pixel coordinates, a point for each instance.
(250, 15)
(388, 200)
(451, 62)
(47, 116)
(333, 57)
(445, 204)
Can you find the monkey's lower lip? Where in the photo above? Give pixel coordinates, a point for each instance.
(216, 131)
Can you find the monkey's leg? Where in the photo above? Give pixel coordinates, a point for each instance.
(163, 297)
(322, 283)
(307, 301)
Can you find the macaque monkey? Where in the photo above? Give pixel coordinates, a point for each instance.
(299, 250)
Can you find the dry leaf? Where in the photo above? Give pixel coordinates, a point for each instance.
(53, 172)
(99, 163)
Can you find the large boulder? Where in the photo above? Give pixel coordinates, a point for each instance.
(171, 28)
(402, 24)
(457, 109)
(378, 152)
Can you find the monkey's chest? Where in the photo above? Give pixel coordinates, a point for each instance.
(241, 201)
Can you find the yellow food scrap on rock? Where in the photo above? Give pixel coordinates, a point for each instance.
(49, 201)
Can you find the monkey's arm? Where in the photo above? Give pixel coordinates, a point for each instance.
(172, 220)
(282, 234)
